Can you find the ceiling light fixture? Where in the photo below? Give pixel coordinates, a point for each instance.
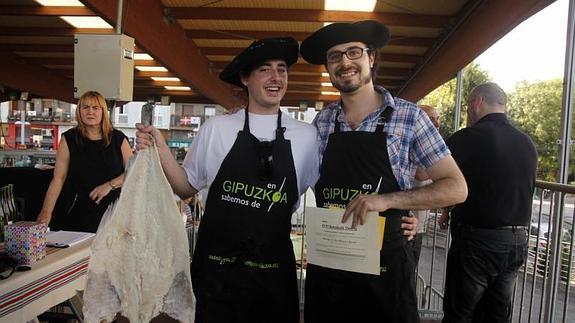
(60, 3)
(142, 57)
(86, 22)
(346, 5)
(178, 88)
(165, 79)
(151, 69)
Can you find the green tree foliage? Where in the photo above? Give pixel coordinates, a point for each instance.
(443, 98)
(535, 107)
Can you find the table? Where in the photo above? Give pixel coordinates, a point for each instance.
(52, 280)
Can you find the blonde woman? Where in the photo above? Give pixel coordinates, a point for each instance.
(91, 158)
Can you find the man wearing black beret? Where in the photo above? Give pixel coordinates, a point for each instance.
(256, 163)
(372, 139)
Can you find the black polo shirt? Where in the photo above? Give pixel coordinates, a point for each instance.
(499, 164)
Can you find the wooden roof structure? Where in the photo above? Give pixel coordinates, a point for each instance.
(194, 39)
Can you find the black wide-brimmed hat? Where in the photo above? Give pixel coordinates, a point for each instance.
(284, 48)
(370, 32)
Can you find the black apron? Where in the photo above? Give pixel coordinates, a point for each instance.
(357, 162)
(243, 268)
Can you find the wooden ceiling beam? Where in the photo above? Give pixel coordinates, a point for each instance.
(389, 83)
(45, 11)
(411, 41)
(151, 83)
(300, 36)
(39, 31)
(61, 48)
(484, 22)
(233, 51)
(393, 71)
(146, 62)
(242, 34)
(142, 74)
(168, 44)
(400, 58)
(49, 60)
(70, 61)
(308, 79)
(226, 51)
(18, 74)
(306, 15)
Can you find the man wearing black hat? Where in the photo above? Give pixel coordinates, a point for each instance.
(372, 139)
(256, 163)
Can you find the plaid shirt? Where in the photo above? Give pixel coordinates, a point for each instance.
(412, 140)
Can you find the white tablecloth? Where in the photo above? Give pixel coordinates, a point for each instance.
(52, 280)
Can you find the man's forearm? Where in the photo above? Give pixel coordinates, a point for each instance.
(175, 174)
(441, 193)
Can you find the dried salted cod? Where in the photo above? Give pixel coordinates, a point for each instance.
(139, 264)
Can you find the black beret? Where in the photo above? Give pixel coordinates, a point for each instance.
(313, 48)
(284, 48)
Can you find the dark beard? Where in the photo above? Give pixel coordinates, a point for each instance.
(349, 87)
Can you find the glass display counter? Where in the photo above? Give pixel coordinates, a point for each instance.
(27, 158)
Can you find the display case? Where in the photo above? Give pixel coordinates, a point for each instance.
(185, 122)
(37, 123)
(27, 158)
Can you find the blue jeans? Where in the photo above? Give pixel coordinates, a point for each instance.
(482, 266)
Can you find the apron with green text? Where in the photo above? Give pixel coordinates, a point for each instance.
(243, 268)
(357, 162)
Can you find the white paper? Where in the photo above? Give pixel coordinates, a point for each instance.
(66, 238)
(336, 245)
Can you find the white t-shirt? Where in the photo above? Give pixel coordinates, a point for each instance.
(217, 136)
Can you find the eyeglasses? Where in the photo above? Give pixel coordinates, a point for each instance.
(352, 53)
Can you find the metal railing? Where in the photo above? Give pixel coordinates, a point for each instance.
(545, 287)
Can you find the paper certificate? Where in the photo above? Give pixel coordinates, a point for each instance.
(336, 245)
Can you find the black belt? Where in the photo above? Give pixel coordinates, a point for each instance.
(512, 227)
(506, 227)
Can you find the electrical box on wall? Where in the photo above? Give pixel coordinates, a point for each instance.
(104, 63)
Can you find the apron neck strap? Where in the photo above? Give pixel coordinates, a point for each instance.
(381, 120)
(246, 120)
(279, 130)
(336, 127)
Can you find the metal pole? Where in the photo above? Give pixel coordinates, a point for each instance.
(119, 10)
(565, 145)
(23, 123)
(458, 94)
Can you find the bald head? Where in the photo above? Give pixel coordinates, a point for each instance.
(484, 99)
(490, 92)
